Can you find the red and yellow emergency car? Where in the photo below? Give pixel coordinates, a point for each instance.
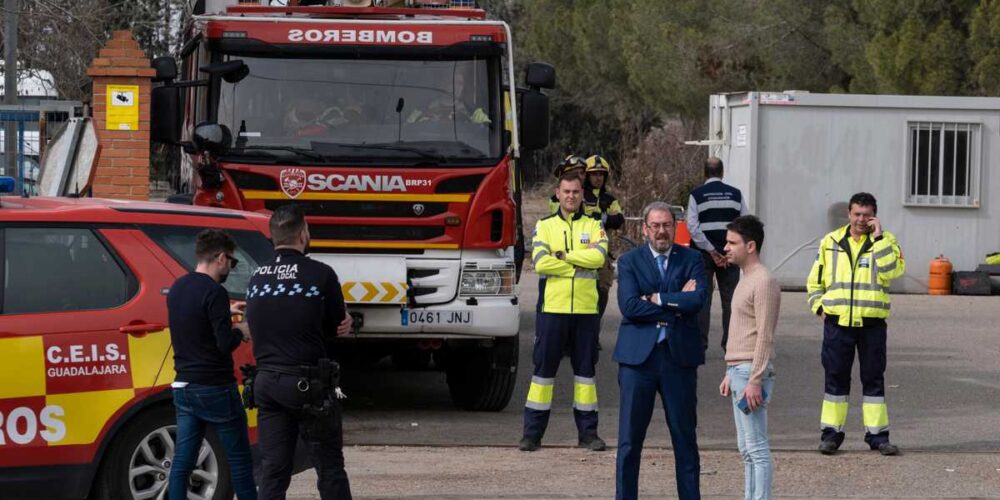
(85, 358)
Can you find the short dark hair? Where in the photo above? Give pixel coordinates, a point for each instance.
(569, 176)
(287, 222)
(211, 242)
(713, 167)
(750, 228)
(864, 200)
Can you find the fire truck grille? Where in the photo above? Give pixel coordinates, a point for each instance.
(434, 282)
(375, 233)
(364, 209)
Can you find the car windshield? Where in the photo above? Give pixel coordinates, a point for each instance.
(314, 110)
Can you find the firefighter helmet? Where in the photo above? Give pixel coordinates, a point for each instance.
(597, 163)
(571, 162)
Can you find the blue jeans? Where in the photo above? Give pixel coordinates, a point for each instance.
(751, 433)
(219, 406)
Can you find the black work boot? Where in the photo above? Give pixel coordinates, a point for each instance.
(888, 449)
(828, 447)
(529, 444)
(592, 443)
(830, 441)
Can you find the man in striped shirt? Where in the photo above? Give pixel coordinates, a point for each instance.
(710, 207)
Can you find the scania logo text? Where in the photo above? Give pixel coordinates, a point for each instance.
(338, 182)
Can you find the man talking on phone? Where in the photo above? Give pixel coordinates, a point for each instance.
(849, 288)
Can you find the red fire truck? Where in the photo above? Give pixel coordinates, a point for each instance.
(396, 130)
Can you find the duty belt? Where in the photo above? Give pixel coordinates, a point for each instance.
(326, 373)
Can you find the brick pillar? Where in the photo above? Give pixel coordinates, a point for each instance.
(123, 168)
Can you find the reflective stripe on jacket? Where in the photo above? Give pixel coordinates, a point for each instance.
(568, 285)
(854, 287)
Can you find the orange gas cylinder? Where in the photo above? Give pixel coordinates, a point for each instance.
(940, 277)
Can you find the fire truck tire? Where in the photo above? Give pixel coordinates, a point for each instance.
(482, 379)
(143, 450)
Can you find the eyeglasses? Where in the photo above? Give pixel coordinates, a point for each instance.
(657, 226)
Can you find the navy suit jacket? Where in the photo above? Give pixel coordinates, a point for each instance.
(638, 276)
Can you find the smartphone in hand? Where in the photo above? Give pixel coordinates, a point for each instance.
(745, 407)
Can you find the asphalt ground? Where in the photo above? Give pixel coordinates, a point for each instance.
(942, 386)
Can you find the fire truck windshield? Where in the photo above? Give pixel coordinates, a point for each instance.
(349, 110)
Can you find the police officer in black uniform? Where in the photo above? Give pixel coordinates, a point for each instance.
(294, 306)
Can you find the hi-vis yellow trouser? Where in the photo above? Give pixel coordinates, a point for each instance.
(553, 330)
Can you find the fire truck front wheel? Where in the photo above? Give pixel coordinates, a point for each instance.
(483, 378)
(137, 464)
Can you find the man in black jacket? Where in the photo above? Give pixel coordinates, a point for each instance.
(203, 338)
(294, 307)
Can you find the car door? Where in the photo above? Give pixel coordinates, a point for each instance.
(82, 337)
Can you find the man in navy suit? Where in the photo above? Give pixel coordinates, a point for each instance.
(661, 289)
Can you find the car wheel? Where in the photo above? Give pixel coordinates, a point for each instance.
(138, 464)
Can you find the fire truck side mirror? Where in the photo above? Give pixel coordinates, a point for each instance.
(212, 138)
(165, 114)
(230, 71)
(540, 75)
(166, 69)
(534, 126)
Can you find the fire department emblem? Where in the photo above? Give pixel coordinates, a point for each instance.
(293, 181)
(418, 209)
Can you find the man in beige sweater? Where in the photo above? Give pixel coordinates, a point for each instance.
(749, 351)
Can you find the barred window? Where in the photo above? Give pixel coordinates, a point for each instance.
(943, 164)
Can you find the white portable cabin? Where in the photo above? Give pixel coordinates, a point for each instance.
(933, 164)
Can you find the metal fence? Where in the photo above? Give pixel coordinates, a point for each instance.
(33, 125)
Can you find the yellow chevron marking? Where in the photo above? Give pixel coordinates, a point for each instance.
(372, 291)
(346, 288)
(390, 291)
(252, 194)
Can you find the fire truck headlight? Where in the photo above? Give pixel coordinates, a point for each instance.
(499, 282)
(480, 283)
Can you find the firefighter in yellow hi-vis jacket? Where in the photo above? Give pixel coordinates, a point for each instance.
(849, 287)
(599, 203)
(568, 249)
(571, 163)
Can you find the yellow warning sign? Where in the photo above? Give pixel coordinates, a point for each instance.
(366, 292)
(123, 107)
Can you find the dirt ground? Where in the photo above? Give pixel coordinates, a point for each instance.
(561, 472)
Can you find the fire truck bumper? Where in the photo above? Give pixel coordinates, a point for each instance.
(464, 317)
